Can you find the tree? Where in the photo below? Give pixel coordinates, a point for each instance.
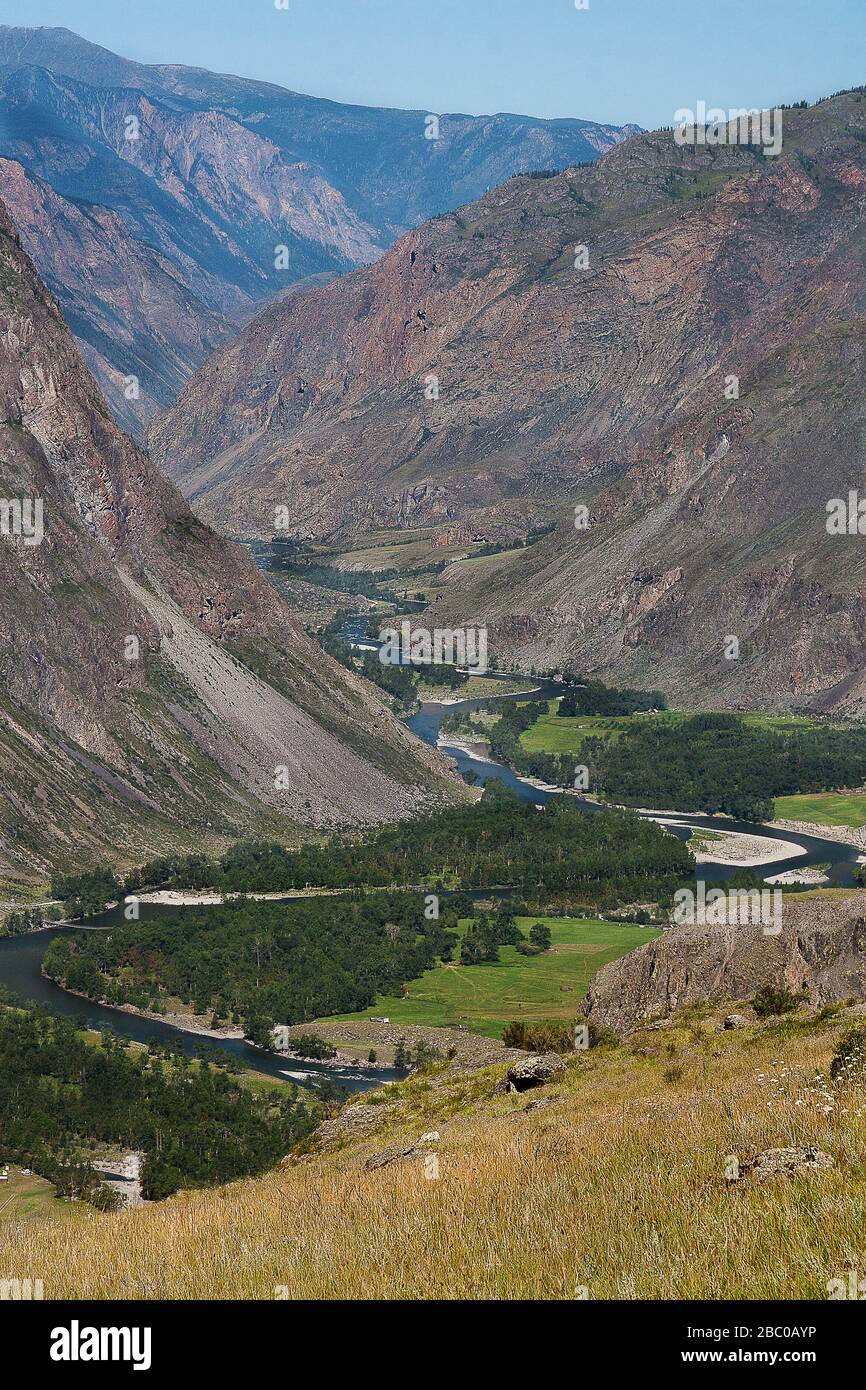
(539, 935)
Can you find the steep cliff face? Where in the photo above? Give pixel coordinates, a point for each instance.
(233, 188)
(142, 332)
(692, 380)
(154, 690)
(820, 952)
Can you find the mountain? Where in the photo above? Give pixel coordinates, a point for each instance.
(154, 689)
(213, 174)
(696, 388)
(131, 313)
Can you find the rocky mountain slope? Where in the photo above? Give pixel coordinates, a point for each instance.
(692, 381)
(821, 950)
(154, 689)
(123, 299)
(211, 175)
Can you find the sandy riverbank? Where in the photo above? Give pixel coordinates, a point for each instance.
(811, 875)
(738, 849)
(178, 897)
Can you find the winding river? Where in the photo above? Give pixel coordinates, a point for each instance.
(21, 957)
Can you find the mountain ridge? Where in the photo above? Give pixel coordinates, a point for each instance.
(155, 691)
(712, 270)
(242, 187)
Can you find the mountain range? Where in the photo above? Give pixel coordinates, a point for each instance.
(179, 197)
(155, 691)
(657, 358)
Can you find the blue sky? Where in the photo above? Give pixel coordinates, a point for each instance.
(619, 60)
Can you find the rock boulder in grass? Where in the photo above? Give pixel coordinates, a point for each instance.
(821, 950)
(535, 1070)
(786, 1163)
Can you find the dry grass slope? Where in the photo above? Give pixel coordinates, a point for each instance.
(619, 1186)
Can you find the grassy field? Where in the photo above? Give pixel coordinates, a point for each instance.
(553, 734)
(636, 1143)
(824, 808)
(32, 1199)
(486, 997)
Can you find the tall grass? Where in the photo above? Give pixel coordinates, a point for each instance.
(619, 1187)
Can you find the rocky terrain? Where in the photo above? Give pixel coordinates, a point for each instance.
(126, 303)
(154, 688)
(695, 389)
(207, 176)
(821, 951)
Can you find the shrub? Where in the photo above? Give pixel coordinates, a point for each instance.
(539, 1037)
(849, 1059)
(771, 1001)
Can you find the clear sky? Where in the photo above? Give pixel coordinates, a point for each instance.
(620, 60)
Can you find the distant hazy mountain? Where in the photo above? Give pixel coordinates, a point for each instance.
(220, 173)
(155, 691)
(486, 377)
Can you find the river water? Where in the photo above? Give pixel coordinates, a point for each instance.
(21, 971)
(21, 957)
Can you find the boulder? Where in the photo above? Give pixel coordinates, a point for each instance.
(786, 1163)
(535, 1070)
(735, 1021)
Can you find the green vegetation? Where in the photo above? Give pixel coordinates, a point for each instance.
(258, 963)
(564, 854)
(536, 988)
(769, 1001)
(827, 808)
(403, 683)
(719, 762)
(84, 895)
(28, 919)
(63, 1097)
(597, 698)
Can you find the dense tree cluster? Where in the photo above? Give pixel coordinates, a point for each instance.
(18, 923)
(260, 963)
(61, 1096)
(595, 697)
(498, 842)
(83, 895)
(721, 763)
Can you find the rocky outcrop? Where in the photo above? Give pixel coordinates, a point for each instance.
(789, 1162)
(155, 691)
(821, 950)
(141, 331)
(535, 1071)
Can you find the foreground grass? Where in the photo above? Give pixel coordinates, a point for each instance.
(619, 1187)
(823, 808)
(485, 997)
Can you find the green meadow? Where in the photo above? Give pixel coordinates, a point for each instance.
(824, 808)
(485, 997)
